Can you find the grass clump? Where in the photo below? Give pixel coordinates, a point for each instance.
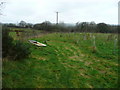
(20, 51)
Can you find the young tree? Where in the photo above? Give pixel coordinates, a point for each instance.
(102, 28)
(22, 24)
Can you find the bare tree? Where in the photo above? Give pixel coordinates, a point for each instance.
(1, 4)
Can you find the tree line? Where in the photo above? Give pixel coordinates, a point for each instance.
(63, 27)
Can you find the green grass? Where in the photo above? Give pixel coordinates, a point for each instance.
(25, 34)
(66, 62)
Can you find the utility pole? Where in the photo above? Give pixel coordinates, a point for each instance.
(57, 17)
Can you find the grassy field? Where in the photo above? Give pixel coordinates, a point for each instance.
(68, 61)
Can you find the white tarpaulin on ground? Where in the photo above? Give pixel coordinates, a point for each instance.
(37, 43)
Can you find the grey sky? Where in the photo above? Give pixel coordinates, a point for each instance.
(71, 11)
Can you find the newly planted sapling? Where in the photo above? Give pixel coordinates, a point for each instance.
(115, 44)
(110, 37)
(84, 36)
(94, 49)
(90, 35)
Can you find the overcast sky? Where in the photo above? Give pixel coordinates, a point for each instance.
(71, 11)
